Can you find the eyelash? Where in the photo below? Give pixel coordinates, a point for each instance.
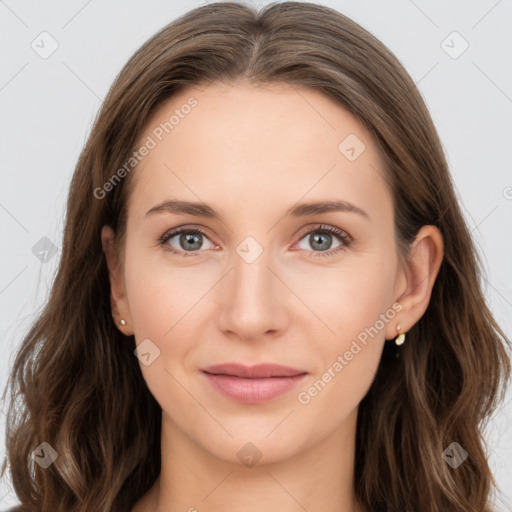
(343, 237)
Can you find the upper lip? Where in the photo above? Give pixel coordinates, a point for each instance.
(253, 372)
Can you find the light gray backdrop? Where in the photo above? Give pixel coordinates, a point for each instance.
(58, 60)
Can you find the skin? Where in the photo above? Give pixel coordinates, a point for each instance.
(252, 152)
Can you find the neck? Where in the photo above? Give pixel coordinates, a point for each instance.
(192, 479)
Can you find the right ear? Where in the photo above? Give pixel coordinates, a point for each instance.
(118, 299)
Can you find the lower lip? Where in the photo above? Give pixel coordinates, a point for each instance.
(253, 391)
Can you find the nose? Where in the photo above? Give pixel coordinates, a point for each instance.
(253, 302)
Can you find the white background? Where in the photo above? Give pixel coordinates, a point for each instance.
(47, 107)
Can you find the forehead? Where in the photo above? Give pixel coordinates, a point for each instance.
(256, 145)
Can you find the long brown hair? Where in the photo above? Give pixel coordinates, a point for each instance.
(76, 383)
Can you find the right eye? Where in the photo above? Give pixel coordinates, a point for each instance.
(188, 241)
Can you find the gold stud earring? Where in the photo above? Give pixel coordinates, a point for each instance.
(122, 322)
(401, 336)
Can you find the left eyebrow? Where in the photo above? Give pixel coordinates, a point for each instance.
(316, 208)
(300, 210)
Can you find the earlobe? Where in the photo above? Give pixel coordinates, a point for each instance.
(118, 301)
(421, 270)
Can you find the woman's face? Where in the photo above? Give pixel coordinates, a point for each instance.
(248, 283)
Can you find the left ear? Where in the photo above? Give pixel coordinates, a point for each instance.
(420, 272)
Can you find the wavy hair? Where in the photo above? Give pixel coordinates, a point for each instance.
(75, 383)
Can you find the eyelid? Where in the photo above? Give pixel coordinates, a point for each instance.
(344, 238)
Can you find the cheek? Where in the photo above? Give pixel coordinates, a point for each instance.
(354, 306)
(348, 359)
(348, 299)
(164, 308)
(170, 305)
(159, 293)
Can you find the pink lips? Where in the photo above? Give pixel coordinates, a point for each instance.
(253, 384)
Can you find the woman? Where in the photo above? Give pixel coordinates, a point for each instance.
(268, 297)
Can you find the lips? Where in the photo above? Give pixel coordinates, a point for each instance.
(253, 384)
(259, 371)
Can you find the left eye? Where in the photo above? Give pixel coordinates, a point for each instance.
(322, 240)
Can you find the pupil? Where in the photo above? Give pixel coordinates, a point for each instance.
(319, 237)
(185, 239)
